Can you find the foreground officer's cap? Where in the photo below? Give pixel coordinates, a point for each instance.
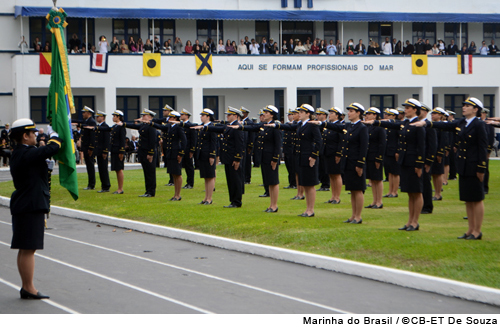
(174, 113)
(23, 124)
(322, 111)
(412, 103)
(486, 110)
(234, 111)
(438, 110)
(400, 110)
(391, 112)
(373, 110)
(271, 109)
(306, 107)
(100, 113)
(207, 112)
(185, 112)
(148, 112)
(474, 102)
(87, 109)
(243, 109)
(356, 106)
(446, 114)
(336, 109)
(118, 113)
(425, 107)
(167, 107)
(449, 112)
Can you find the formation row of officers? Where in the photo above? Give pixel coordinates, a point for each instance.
(317, 146)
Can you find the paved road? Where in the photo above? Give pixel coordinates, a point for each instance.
(87, 268)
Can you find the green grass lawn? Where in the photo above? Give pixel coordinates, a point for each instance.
(433, 250)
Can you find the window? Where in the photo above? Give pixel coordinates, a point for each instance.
(156, 104)
(129, 105)
(164, 29)
(279, 102)
(207, 29)
(312, 97)
(297, 3)
(261, 30)
(212, 102)
(452, 32)
(453, 102)
(80, 102)
(38, 30)
(489, 103)
(330, 32)
(424, 31)
(38, 109)
(382, 101)
(379, 31)
(297, 30)
(77, 26)
(435, 102)
(491, 32)
(123, 29)
(416, 96)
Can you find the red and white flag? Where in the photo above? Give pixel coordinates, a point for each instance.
(99, 62)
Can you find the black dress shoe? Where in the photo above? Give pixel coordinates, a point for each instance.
(102, 191)
(271, 210)
(176, 199)
(202, 202)
(288, 187)
(246, 183)
(187, 186)
(425, 212)
(329, 201)
(403, 228)
(434, 198)
(208, 203)
(347, 221)
(169, 184)
(306, 215)
(336, 202)
(466, 217)
(463, 237)
(265, 195)
(472, 237)
(146, 195)
(89, 188)
(116, 192)
(386, 196)
(378, 207)
(231, 206)
(30, 296)
(411, 228)
(392, 196)
(261, 184)
(369, 206)
(354, 221)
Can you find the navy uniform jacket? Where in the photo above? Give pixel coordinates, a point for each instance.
(88, 135)
(377, 142)
(490, 133)
(431, 144)
(472, 144)
(232, 146)
(30, 175)
(356, 142)
(174, 140)
(307, 142)
(102, 139)
(411, 142)
(392, 144)
(289, 141)
(442, 142)
(147, 139)
(270, 142)
(258, 143)
(250, 136)
(206, 146)
(118, 135)
(333, 142)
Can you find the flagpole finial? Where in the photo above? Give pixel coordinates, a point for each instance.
(55, 4)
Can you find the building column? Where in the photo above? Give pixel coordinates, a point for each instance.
(197, 103)
(338, 97)
(290, 98)
(496, 113)
(426, 95)
(109, 104)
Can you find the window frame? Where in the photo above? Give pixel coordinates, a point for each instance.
(81, 32)
(379, 37)
(423, 32)
(381, 101)
(43, 109)
(209, 29)
(161, 35)
(496, 29)
(125, 108)
(454, 106)
(79, 104)
(47, 36)
(162, 101)
(491, 100)
(328, 37)
(258, 37)
(126, 35)
(456, 34)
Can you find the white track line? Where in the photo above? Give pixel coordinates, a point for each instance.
(52, 303)
(120, 282)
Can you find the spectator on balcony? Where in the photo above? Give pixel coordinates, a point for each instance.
(371, 48)
(123, 47)
(350, 47)
(291, 47)
(428, 47)
(360, 48)
(393, 44)
(47, 46)
(247, 43)
(331, 49)
(131, 44)
(452, 48)
(84, 50)
(148, 47)
(308, 45)
(387, 47)
(140, 46)
(230, 49)
(205, 48)
(493, 49)
(115, 45)
(435, 50)
(420, 47)
(264, 46)
(93, 49)
(23, 45)
(284, 47)
(464, 50)
(211, 46)
(167, 47)
(242, 47)
(75, 50)
(37, 43)
(314, 48)
(103, 44)
(178, 46)
(397, 48)
(156, 44)
(74, 41)
(275, 49)
(409, 49)
(188, 48)
(254, 48)
(300, 49)
(196, 48)
(338, 45)
(221, 48)
(322, 47)
(483, 50)
(472, 48)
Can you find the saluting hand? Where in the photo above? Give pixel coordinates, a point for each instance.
(420, 123)
(368, 122)
(315, 122)
(418, 171)
(197, 127)
(270, 125)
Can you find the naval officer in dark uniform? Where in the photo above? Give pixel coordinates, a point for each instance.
(163, 120)
(31, 199)
(87, 145)
(377, 142)
(205, 155)
(391, 165)
(437, 169)
(490, 133)
(188, 160)
(324, 179)
(288, 149)
(334, 143)
(430, 157)
(249, 143)
(102, 145)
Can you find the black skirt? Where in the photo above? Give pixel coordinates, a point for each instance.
(391, 165)
(173, 167)
(116, 163)
(372, 173)
(447, 158)
(270, 176)
(437, 168)
(333, 168)
(28, 230)
(410, 182)
(206, 170)
(308, 176)
(470, 189)
(354, 182)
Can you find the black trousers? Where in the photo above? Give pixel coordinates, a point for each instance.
(290, 167)
(235, 184)
(188, 165)
(453, 165)
(102, 166)
(149, 169)
(248, 166)
(427, 193)
(89, 162)
(324, 179)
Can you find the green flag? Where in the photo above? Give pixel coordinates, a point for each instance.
(60, 104)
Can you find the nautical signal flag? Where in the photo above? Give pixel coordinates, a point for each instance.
(203, 63)
(464, 64)
(151, 63)
(419, 64)
(45, 63)
(99, 62)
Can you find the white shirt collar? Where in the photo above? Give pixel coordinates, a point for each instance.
(416, 117)
(357, 121)
(469, 121)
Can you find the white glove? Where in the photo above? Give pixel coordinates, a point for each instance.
(51, 132)
(50, 164)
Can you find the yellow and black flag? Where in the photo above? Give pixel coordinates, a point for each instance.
(151, 64)
(419, 64)
(203, 63)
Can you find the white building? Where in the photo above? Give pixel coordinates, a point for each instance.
(245, 80)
